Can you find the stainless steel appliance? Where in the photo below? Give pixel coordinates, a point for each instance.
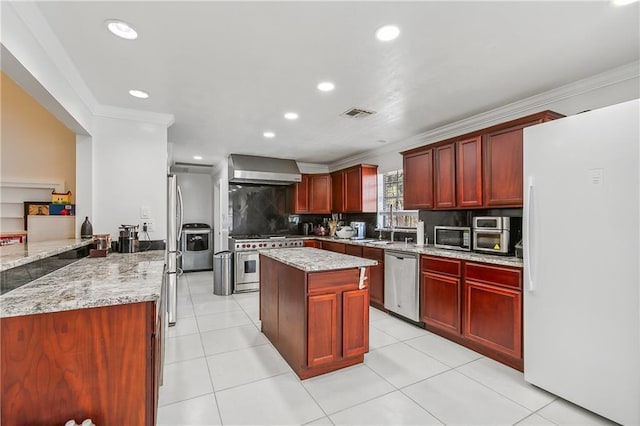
(128, 239)
(247, 261)
(491, 234)
(401, 284)
(174, 225)
(452, 237)
(360, 229)
(197, 253)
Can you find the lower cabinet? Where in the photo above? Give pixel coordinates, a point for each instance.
(312, 243)
(334, 246)
(474, 304)
(376, 280)
(322, 329)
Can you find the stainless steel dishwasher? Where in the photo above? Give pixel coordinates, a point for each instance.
(401, 284)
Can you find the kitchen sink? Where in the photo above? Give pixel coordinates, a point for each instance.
(381, 243)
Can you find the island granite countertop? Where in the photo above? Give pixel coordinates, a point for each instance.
(15, 255)
(119, 278)
(430, 250)
(310, 259)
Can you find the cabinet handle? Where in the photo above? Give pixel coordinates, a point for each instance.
(528, 249)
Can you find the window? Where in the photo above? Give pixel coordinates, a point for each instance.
(390, 192)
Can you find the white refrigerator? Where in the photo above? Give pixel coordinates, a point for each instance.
(582, 257)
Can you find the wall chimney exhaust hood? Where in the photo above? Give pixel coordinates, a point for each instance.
(262, 170)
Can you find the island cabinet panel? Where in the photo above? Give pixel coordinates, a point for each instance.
(355, 322)
(469, 172)
(334, 246)
(376, 280)
(418, 180)
(445, 176)
(440, 293)
(322, 329)
(99, 363)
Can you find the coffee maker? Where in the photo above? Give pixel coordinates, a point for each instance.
(359, 230)
(128, 239)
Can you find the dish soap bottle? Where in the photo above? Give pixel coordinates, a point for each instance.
(86, 230)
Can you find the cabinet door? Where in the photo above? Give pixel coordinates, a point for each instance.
(440, 301)
(312, 243)
(337, 192)
(333, 246)
(445, 176)
(300, 196)
(503, 167)
(353, 250)
(469, 172)
(322, 328)
(493, 317)
(355, 322)
(376, 283)
(353, 190)
(418, 180)
(320, 193)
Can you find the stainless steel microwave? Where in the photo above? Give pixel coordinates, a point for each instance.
(452, 237)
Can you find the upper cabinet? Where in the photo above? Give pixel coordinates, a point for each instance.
(312, 194)
(480, 169)
(418, 180)
(355, 189)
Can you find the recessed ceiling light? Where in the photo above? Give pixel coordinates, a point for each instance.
(269, 135)
(197, 157)
(139, 93)
(122, 29)
(291, 115)
(387, 33)
(622, 2)
(326, 86)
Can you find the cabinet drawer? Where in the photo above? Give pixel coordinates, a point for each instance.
(499, 275)
(347, 279)
(333, 246)
(439, 264)
(373, 253)
(353, 250)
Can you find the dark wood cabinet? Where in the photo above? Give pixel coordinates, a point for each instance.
(418, 180)
(503, 167)
(102, 363)
(445, 176)
(334, 246)
(318, 321)
(440, 293)
(469, 172)
(376, 279)
(353, 250)
(319, 193)
(355, 190)
(312, 194)
(312, 243)
(300, 196)
(493, 308)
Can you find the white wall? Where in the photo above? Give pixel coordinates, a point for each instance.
(84, 181)
(197, 196)
(129, 172)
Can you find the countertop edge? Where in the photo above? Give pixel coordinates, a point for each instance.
(4, 266)
(315, 260)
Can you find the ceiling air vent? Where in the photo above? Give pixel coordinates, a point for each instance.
(357, 113)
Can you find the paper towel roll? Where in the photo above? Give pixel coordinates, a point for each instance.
(420, 233)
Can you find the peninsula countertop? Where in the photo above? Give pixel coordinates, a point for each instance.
(15, 255)
(119, 278)
(310, 259)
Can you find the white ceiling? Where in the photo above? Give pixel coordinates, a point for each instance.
(229, 70)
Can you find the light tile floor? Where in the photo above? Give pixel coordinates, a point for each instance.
(220, 369)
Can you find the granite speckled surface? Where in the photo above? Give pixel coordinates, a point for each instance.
(310, 259)
(431, 250)
(20, 254)
(119, 278)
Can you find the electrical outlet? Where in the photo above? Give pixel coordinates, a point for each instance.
(146, 225)
(150, 227)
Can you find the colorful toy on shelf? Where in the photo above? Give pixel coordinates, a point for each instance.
(60, 197)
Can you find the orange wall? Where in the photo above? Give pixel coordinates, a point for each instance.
(36, 146)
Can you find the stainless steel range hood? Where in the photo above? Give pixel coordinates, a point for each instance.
(262, 170)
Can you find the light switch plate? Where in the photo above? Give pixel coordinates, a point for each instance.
(145, 212)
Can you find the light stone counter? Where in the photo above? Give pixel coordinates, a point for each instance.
(15, 255)
(315, 260)
(431, 250)
(119, 278)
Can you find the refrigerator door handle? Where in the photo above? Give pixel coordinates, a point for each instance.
(528, 253)
(181, 215)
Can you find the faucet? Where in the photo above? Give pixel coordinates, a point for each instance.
(393, 229)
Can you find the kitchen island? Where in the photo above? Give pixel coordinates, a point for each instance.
(83, 342)
(314, 307)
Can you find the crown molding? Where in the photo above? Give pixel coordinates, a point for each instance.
(501, 114)
(134, 115)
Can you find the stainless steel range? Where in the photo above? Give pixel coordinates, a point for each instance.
(247, 261)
